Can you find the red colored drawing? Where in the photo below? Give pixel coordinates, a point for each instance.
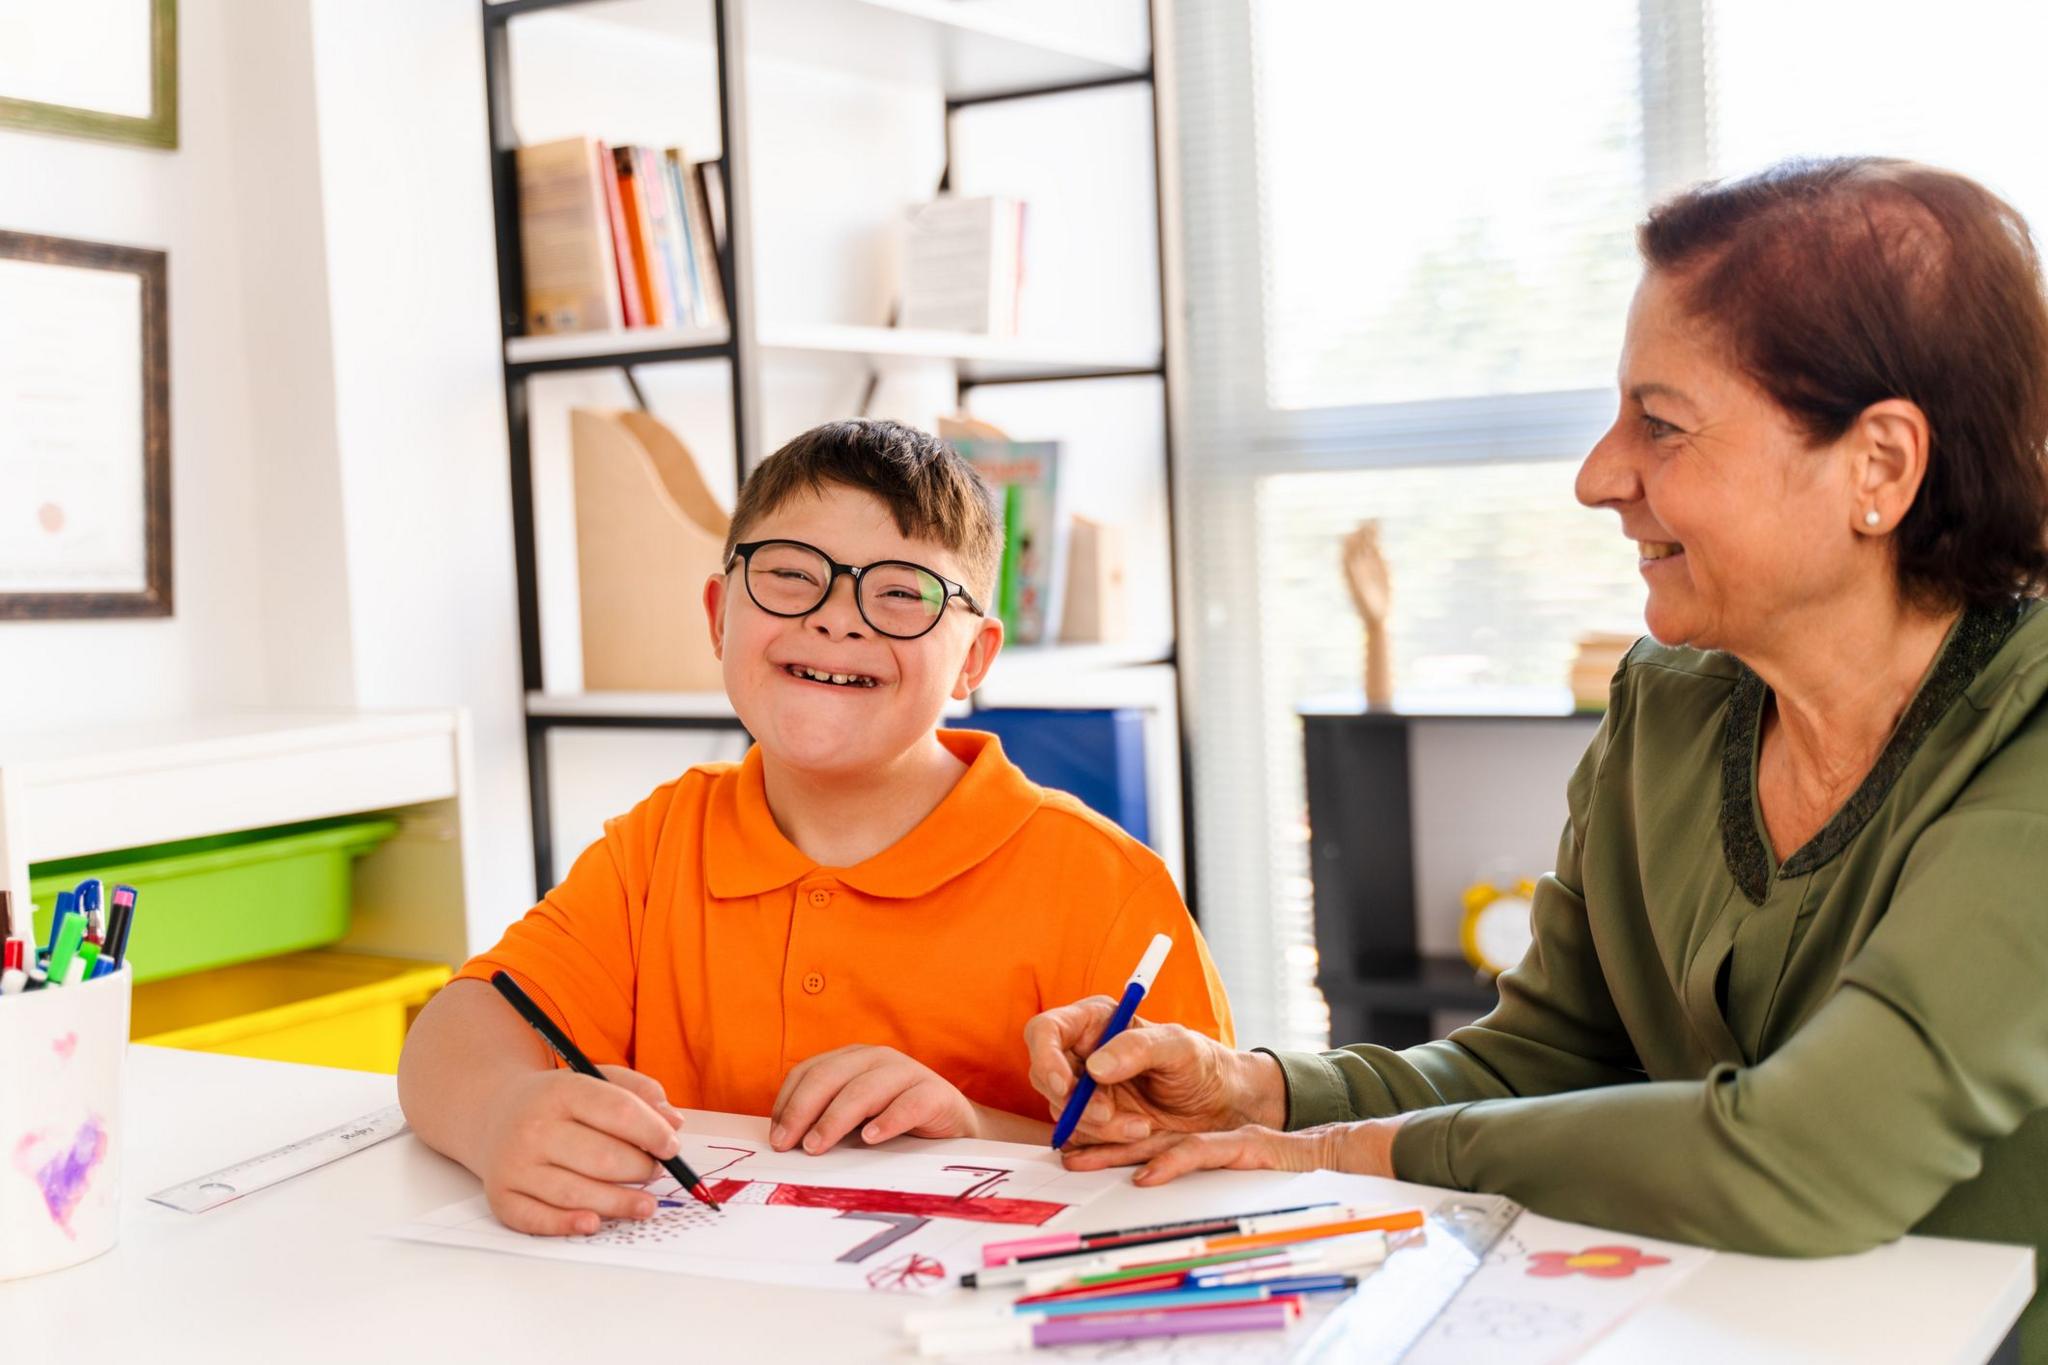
(908, 1275)
(1029, 1212)
(1602, 1263)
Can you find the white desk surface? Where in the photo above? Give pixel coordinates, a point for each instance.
(301, 1273)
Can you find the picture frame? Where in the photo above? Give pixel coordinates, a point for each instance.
(85, 487)
(75, 68)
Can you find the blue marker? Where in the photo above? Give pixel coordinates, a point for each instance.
(67, 902)
(1134, 991)
(89, 905)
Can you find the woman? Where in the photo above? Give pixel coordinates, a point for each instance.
(1789, 986)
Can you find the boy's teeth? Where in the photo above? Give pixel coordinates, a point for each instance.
(842, 679)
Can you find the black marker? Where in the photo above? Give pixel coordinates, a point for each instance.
(570, 1053)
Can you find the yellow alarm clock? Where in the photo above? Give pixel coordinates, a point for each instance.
(1496, 930)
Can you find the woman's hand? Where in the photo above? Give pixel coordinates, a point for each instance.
(1151, 1078)
(562, 1151)
(825, 1097)
(1364, 1148)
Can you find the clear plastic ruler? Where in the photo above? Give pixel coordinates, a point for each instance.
(295, 1158)
(1396, 1304)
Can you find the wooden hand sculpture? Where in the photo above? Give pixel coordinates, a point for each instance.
(1372, 593)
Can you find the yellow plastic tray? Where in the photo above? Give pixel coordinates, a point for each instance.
(321, 1008)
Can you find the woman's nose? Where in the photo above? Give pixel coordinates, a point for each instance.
(1607, 478)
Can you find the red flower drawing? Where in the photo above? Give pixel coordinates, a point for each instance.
(1602, 1263)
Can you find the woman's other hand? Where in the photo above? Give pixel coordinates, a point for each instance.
(1364, 1148)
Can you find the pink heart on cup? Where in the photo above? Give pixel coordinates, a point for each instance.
(65, 1046)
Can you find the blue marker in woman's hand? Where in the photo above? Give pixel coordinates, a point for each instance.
(1141, 981)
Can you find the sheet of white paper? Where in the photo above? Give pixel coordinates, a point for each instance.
(1545, 1294)
(901, 1222)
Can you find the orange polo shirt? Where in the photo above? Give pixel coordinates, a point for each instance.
(695, 943)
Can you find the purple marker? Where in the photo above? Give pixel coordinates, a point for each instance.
(1025, 1334)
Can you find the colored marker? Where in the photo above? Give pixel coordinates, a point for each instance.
(1025, 1333)
(13, 975)
(89, 905)
(1214, 1251)
(552, 1034)
(1116, 1248)
(70, 933)
(66, 903)
(120, 920)
(1134, 991)
(1067, 1243)
(88, 958)
(1228, 1296)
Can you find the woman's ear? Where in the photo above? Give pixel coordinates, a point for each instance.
(981, 652)
(714, 613)
(1892, 440)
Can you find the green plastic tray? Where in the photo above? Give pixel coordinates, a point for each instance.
(229, 898)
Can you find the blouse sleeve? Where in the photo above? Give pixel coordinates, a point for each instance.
(1934, 1046)
(1555, 1028)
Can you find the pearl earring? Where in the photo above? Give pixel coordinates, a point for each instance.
(1871, 518)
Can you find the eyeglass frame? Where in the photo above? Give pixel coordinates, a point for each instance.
(744, 554)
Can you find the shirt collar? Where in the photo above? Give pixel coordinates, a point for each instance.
(746, 853)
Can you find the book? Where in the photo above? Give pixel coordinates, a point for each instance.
(630, 307)
(1024, 475)
(636, 235)
(711, 181)
(657, 222)
(963, 265)
(565, 239)
(704, 250)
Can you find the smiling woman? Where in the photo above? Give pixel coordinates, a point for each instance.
(1784, 994)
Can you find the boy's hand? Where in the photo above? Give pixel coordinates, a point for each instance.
(558, 1147)
(827, 1096)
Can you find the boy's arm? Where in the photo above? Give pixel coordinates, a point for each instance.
(551, 1146)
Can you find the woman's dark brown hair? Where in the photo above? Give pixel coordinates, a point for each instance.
(1842, 283)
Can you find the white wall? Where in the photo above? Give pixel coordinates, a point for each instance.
(67, 673)
(341, 511)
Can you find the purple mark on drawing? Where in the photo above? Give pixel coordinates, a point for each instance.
(65, 1174)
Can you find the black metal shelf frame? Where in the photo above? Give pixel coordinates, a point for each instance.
(497, 19)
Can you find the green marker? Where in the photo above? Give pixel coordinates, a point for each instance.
(69, 935)
(87, 956)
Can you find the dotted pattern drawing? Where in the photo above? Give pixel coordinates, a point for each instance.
(1507, 1320)
(673, 1221)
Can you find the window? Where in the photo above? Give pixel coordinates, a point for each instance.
(1408, 250)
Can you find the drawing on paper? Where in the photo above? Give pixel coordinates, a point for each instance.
(1507, 1320)
(865, 1219)
(1602, 1263)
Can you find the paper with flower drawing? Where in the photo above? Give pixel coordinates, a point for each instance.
(858, 1218)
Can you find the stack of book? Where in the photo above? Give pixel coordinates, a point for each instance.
(618, 237)
(963, 266)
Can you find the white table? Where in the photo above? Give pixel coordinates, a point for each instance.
(300, 1273)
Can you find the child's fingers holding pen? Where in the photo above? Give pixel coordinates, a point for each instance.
(616, 1111)
(523, 1213)
(647, 1088)
(567, 1189)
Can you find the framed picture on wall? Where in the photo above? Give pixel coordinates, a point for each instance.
(85, 430)
(91, 68)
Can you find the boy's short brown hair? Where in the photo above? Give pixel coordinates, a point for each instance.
(934, 494)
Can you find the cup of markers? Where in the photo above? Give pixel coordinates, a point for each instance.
(63, 1041)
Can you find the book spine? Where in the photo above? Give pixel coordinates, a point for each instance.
(660, 288)
(636, 232)
(672, 177)
(623, 281)
(711, 292)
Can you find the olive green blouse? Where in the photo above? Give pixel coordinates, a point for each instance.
(1796, 1059)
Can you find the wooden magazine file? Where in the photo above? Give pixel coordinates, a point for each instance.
(648, 533)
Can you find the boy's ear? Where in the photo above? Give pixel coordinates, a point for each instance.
(981, 652)
(714, 613)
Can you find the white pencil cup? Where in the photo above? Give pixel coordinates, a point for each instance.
(61, 1054)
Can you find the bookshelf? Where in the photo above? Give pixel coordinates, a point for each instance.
(947, 58)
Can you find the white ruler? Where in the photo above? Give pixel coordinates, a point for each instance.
(294, 1158)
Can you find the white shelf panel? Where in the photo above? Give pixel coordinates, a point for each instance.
(1079, 676)
(963, 49)
(580, 345)
(634, 705)
(985, 356)
(112, 787)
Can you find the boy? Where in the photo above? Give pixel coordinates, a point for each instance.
(865, 911)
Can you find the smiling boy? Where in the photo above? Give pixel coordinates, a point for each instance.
(847, 930)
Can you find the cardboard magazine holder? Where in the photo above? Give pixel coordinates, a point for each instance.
(648, 533)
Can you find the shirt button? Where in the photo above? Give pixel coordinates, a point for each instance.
(821, 897)
(814, 982)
